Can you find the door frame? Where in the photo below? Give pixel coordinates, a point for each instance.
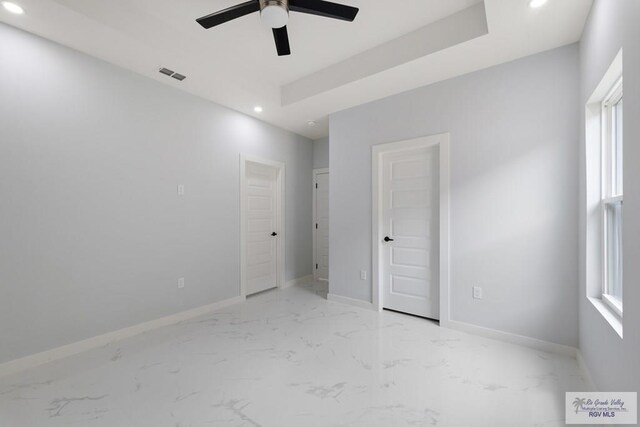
(314, 231)
(280, 220)
(441, 140)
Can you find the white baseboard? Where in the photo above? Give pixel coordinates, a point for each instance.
(522, 340)
(28, 362)
(298, 281)
(350, 301)
(512, 338)
(586, 374)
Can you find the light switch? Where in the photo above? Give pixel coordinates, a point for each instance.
(180, 190)
(477, 292)
(181, 283)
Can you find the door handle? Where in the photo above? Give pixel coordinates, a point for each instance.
(387, 239)
(274, 234)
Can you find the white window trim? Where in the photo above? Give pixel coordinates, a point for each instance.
(595, 194)
(613, 303)
(607, 182)
(613, 97)
(612, 200)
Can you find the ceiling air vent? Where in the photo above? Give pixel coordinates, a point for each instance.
(171, 73)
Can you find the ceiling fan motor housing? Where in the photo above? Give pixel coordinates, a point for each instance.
(274, 13)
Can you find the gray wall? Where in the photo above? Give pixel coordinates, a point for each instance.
(94, 236)
(514, 190)
(613, 362)
(321, 153)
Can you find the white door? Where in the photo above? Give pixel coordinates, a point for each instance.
(262, 235)
(322, 227)
(410, 227)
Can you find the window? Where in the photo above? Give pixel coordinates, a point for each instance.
(602, 210)
(612, 197)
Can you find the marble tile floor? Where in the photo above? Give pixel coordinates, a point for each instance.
(292, 358)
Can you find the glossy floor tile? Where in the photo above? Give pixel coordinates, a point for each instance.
(291, 358)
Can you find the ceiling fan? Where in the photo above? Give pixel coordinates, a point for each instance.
(275, 14)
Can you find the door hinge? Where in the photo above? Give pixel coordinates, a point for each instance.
(316, 185)
(316, 225)
(316, 266)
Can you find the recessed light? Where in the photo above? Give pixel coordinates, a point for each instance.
(311, 123)
(13, 8)
(537, 3)
(257, 109)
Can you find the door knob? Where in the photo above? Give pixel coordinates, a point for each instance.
(274, 234)
(387, 239)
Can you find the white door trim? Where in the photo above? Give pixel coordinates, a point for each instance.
(442, 140)
(314, 231)
(280, 213)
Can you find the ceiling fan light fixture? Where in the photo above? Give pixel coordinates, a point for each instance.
(274, 13)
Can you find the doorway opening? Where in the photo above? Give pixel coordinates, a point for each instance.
(262, 225)
(410, 227)
(320, 225)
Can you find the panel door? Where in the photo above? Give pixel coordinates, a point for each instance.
(410, 240)
(261, 247)
(322, 227)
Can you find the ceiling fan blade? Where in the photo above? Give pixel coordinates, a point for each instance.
(324, 8)
(229, 14)
(281, 36)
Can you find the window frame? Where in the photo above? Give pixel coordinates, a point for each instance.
(609, 195)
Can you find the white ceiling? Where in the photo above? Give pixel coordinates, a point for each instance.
(236, 65)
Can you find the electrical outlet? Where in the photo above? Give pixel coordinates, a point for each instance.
(363, 275)
(180, 190)
(181, 283)
(477, 292)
